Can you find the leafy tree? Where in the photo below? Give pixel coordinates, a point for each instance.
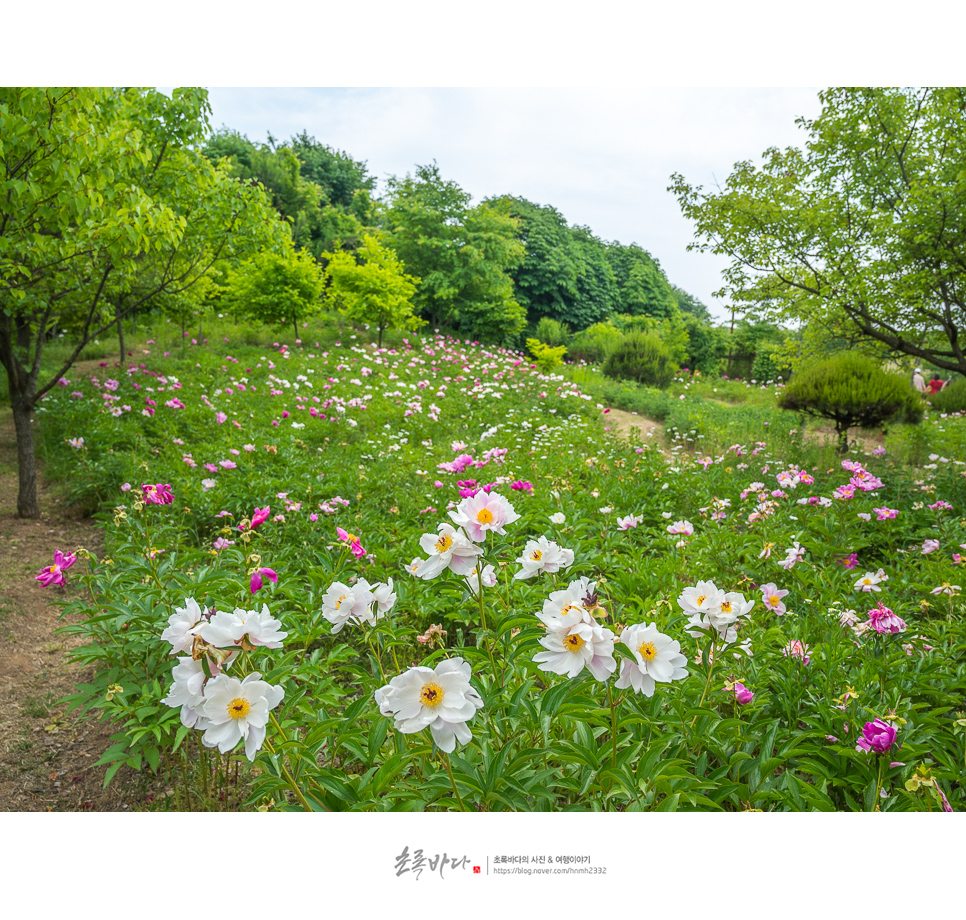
(863, 228)
(375, 290)
(641, 284)
(462, 254)
(106, 205)
(690, 305)
(564, 275)
(277, 288)
(340, 177)
(318, 224)
(850, 389)
(706, 345)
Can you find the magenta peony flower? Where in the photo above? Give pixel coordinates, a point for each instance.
(883, 620)
(258, 574)
(877, 736)
(353, 542)
(259, 516)
(157, 494)
(54, 574)
(742, 694)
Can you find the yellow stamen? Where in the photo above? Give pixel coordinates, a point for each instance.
(536, 555)
(726, 606)
(443, 543)
(647, 651)
(238, 708)
(338, 603)
(484, 516)
(774, 600)
(701, 600)
(573, 642)
(431, 695)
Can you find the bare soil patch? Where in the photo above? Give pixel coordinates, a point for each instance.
(47, 755)
(623, 423)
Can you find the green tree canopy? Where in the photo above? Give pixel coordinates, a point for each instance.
(105, 198)
(374, 290)
(276, 288)
(463, 255)
(865, 227)
(323, 215)
(642, 286)
(565, 275)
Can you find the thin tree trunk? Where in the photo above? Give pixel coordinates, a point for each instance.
(120, 332)
(295, 326)
(27, 506)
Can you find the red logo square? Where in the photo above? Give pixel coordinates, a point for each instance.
(476, 870)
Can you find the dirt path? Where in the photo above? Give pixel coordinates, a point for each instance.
(623, 423)
(47, 757)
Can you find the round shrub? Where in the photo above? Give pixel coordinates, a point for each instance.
(595, 343)
(552, 332)
(643, 357)
(951, 398)
(850, 390)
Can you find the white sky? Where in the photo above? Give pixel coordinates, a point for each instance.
(601, 153)
(603, 159)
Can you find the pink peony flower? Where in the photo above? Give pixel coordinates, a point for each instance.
(877, 737)
(257, 576)
(929, 546)
(483, 512)
(157, 494)
(54, 574)
(796, 649)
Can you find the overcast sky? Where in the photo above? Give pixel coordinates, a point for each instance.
(603, 158)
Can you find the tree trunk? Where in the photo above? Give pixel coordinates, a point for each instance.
(380, 336)
(27, 506)
(120, 332)
(843, 433)
(295, 326)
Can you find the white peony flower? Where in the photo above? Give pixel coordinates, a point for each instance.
(543, 555)
(247, 628)
(385, 597)
(871, 581)
(451, 550)
(188, 692)
(439, 699)
(237, 710)
(583, 645)
(183, 625)
(711, 608)
(658, 659)
(473, 579)
(342, 603)
(577, 602)
(558, 518)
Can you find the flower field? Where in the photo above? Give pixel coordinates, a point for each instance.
(427, 577)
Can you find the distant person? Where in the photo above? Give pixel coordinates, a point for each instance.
(935, 385)
(919, 382)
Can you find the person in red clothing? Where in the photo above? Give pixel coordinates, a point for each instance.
(936, 384)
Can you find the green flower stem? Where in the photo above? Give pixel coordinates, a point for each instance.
(878, 785)
(613, 726)
(445, 758)
(288, 776)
